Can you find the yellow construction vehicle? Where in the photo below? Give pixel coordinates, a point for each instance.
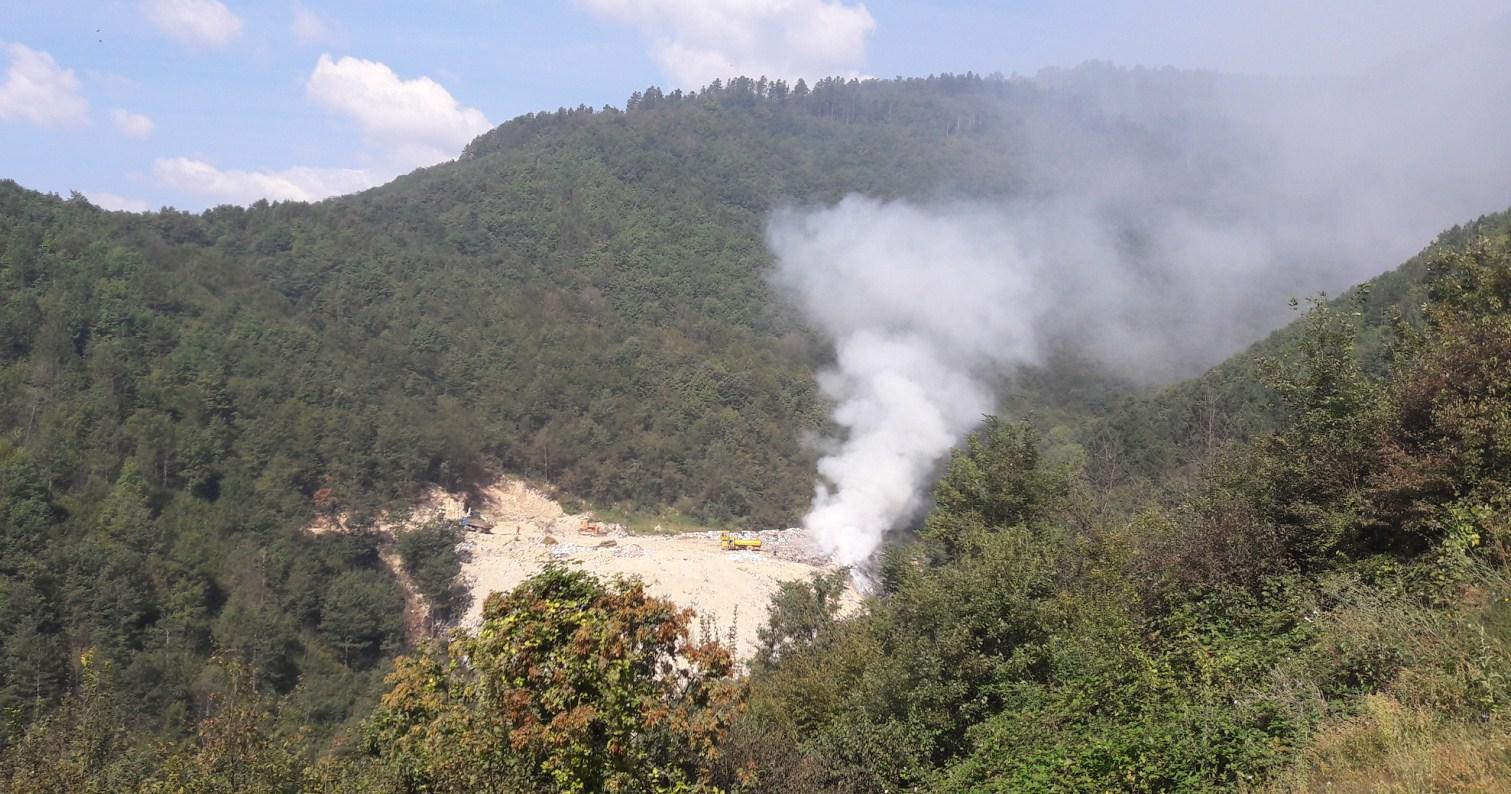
(730, 542)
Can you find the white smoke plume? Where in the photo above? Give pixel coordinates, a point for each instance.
(920, 304)
(1160, 223)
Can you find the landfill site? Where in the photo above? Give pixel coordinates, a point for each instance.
(513, 530)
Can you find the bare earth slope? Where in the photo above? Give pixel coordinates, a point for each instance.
(731, 589)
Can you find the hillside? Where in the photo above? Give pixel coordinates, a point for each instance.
(583, 301)
(1323, 609)
(587, 290)
(1145, 436)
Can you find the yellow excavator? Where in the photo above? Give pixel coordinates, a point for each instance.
(730, 542)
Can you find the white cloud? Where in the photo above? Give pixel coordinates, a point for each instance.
(111, 201)
(38, 90)
(309, 27)
(131, 125)
(417, 121)
(696, 41)
(299, 183)
(410, 123)
(194, 23)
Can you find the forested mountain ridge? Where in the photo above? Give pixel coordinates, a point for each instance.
(574, 269)
(176, 388)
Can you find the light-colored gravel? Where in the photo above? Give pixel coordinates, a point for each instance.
(530, 530)
(730, 587)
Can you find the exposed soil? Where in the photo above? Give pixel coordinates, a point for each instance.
(729, 589)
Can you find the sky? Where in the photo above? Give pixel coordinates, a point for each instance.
(140, 104)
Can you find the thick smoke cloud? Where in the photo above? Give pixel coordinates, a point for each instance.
(920, 303)
(1160, 222)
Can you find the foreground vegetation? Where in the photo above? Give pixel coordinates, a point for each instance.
(1325, 607)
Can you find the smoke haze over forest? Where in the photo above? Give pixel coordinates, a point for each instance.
(1162, 222)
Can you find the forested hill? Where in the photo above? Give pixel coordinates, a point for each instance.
(581, 299)
(1323, 609)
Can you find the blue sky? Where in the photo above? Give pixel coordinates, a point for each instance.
(192, 103)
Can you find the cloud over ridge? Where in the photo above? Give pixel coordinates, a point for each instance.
(697, 41)
(417, 120)
(234, 186)
(409, 124)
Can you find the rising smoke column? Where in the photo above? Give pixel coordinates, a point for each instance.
(921, 305)
(929, 305)
(1156, 223)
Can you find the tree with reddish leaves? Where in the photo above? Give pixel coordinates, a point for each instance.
(571, 684)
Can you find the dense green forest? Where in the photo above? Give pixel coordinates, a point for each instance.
(1323, 607)
(1287, 572)
(581, 300)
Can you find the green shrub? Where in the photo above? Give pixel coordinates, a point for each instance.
(430, 557)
